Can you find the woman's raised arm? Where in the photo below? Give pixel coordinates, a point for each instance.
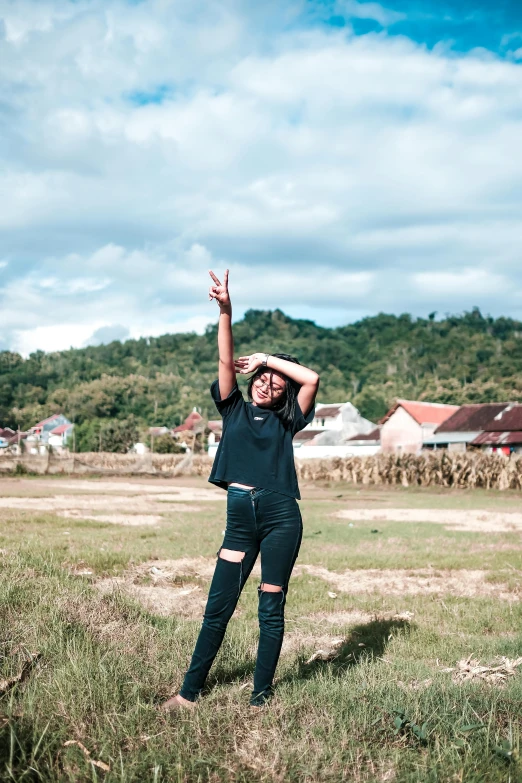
(226, 367)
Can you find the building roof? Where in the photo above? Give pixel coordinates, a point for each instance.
(373, 435)
(445, 438)
(61, 429)
(470, 418)
(508, 419)
(47, 421)
(215, 425)
(189, 423)
(328, 411)
(423, 412)
(507, 438)
(305, 435)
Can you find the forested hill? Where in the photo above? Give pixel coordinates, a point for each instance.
(467, 358)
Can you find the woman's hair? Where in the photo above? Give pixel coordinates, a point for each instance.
(284, 405)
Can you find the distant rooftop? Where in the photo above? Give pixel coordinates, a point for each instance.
(373, 435)
(472, 418)
(508, 419)
(423, 412)
(327, 411)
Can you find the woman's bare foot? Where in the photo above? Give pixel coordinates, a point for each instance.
(177, 702)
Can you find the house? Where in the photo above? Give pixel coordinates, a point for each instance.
(331, 433)
(409, 423)
(364, 445)
(466, 424)
(38, 436)
(186, 433)
(60, 436)
(216, 431)
(503, 434)
(328, 416)
(193, 423)
(7, 437)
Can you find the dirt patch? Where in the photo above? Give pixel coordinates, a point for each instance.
(425, 581)
(79, 506)
(130, 487)
(128, 520)
(164, 600)
(457, 519)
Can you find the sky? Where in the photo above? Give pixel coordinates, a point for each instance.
(340, 157)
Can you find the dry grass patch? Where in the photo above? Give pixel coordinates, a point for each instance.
(163, 600)
(160, 586)
(463, 583)
(456, 519)
(493, 673)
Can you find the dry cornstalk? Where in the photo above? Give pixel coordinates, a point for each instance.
(100, 764)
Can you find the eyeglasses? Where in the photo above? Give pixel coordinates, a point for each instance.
(275, 389)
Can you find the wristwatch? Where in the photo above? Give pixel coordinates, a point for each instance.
(263, 363)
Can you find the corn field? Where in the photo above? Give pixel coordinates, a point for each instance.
(435, 469)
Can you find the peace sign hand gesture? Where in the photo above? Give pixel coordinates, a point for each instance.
(219, 291)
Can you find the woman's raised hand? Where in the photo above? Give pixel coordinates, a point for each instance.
(219, 291)
(246, 364)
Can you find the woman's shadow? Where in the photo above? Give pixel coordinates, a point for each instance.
(364, 642)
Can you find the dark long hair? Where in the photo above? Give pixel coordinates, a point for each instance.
(285, 405)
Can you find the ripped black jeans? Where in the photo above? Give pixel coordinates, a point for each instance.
(258, 520)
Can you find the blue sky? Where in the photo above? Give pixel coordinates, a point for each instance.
(340, 157)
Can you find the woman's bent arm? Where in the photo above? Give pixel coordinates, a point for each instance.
(226, 368)
(308, 379)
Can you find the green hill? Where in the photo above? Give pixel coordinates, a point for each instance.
(466, 358)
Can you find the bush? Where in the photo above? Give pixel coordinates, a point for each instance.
(166, 444)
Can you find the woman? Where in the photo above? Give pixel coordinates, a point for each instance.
(255, 464)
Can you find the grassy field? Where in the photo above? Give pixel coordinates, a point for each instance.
(105, 581)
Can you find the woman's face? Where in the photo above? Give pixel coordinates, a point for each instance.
(267, 389)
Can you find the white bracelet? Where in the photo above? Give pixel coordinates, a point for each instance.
(263, 363)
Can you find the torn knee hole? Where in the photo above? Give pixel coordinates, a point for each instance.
(266, 588)
(231, 555)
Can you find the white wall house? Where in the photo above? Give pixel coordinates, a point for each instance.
(333, 433)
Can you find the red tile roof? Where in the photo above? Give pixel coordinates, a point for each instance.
(472, 418)
(215, 425)
(60, 429)
(423, 412)
(189, 423)
(498, 439)
(508, 419)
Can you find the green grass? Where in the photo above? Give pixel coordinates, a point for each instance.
(106, 662)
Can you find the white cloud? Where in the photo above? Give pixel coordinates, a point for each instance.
(379, 13)
(328, 171)
(457, 285)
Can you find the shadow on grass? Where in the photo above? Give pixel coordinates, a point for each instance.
(365, 642)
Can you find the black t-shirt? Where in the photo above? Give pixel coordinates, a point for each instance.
(256, 446)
